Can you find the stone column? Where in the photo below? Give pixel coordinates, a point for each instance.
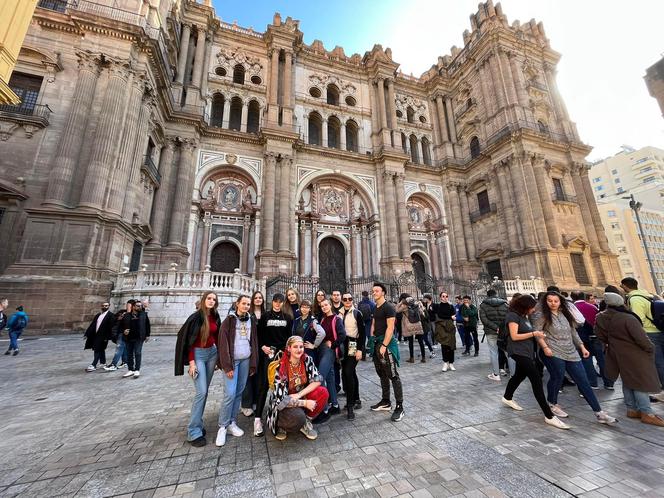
(484, 88)
(548, 209)
(205, 244)
(243, 119)
(450, 115)
(107, 138)
(244, 268)
(469, 233)
(225, 116)
(381, 103)
(523, 204)
(324, 130)
(592, 205)
(301, 250)
(536, 202)
(390, 216)
(182, 56)
(506, 76)
(585, 214)
(288, 67)
(72, 136)
(353, 255)
(267, 233)
(402, 216)
(284, 228)
(497, 81)
(206, 65)
(314, 248)
(458, 224)
(437, 136)
(433, 254)
(393, 112)
(444, 133)
(199, 58)
(163, 194)
(183, 190)
(559, 105)
(273, 104)
(366, 270)
(519, 83)
(509, 218)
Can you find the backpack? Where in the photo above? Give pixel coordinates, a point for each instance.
(503, 334)
(365, 309)
(656, 312)
(413, 313)
(21, 323)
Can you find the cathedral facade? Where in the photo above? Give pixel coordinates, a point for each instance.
(154, 135)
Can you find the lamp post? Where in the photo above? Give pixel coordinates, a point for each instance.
(636, 206)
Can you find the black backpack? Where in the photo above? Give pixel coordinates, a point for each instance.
(656, 311)
(365, 309)
(413, 313)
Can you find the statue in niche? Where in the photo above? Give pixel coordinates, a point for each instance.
(246, 199)
(415, 215)
(230, 197)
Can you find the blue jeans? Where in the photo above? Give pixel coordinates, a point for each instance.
(596, 350)
(206, 359)
(462, 333)
(557, 368)
(13, 338)
(637, 400)
(120, 351)
(492, 343)
(326, 370)
(134, 354)
(657, 338)
(233, 393)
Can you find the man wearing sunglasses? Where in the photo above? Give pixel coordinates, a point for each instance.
(352, 352)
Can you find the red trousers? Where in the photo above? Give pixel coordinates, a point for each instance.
(292, 419)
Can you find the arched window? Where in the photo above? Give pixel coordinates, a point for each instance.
(253, 117)
(474, 147)
(414, 154)
(332, 94)
(238, 74)
(404, 143)
(410, 114)
(352, 132)
(334, 132)
(426, 151)
(315, 129)
(217, 111)
(543, 128)
(235, 120)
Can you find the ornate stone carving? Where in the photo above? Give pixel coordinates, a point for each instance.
(321, 81)
(228, 58)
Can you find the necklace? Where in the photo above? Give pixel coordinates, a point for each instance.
(296, 375)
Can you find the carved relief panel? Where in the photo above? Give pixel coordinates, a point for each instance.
(228, 194)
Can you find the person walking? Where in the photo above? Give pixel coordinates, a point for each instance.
(367, 307)
(196, 347)
(136, 330)
(561, 354)
(411, 325)
(585, 304)
(352, 353)
(460, 323)
(445, 334)
(493, 311)
(386, 353)
(16, 325)
(522, 348)
(428, 323)
(630, 355)
(250, 393)
(469, 315)
(97, 336)
(4, 303)
(238, 353)
(120, 356)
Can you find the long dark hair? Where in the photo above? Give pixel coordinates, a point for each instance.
(202, 312)
(315, 311)
(252, 306)
(522, 304)
(546, 311)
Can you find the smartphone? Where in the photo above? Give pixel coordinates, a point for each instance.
(195, 374)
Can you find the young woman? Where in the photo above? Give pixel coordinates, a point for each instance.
(292, 304)
(407, 305)
(318, 298)
(196, 347)
(307, 327)
(631, 355)
(561, 354)
(250, 394)
(352, 353)
(445, 334)
(238, 353)
(298, 395)
(335, 335)
(521, 346)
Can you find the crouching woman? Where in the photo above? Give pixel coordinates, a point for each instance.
(298, 395)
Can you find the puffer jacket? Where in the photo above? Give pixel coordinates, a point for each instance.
(493, 311)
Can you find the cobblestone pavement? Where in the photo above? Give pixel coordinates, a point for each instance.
(65, 432)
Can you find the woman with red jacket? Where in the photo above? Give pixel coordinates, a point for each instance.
(238, 354)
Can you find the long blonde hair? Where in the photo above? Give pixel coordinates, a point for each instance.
(204, 333)
(287, 307)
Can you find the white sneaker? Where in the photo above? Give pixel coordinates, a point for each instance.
(503, 372)
(558, 412)
(258, 427)
(452, 367)
(556, 422)
(110, 368)
(247, 412)
(234, 430)
(128, 374)
(512, 404)
(221, 437)
(137, 374)
(659, 396)
(445, 366)
(605, 418)
(91, 368)
(493, 377)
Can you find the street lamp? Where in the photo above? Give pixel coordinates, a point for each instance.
(636, 206)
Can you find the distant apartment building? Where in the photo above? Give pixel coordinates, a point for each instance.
(641, 173)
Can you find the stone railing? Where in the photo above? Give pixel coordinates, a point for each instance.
(532, 286)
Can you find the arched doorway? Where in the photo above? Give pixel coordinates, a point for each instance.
(225, 257)
(332, 265)
(419, 270)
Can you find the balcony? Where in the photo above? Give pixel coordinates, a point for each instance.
(563, 197)
(34, 115)
(151, 170)
(483, 213)
(56, 5)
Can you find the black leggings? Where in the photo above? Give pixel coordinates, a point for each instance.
(351, 382)
(448, 353)
(527, 367)
(261, 381)
(420, 339)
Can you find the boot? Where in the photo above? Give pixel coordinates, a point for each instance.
(633, 414)
(423, 360)
(652, 419)
(351, 414)
(411, 360)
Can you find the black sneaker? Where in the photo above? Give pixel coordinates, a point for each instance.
(334, 410)
(8, 352)
(198, 442)
(465, 353)
(350, 414)
(358, 405)
(397, 414)
(323, 417)
(382, 406)
(477, 353)
(15, 352)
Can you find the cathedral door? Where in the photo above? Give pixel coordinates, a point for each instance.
(332, 265)
(225, 257)
(419, 269)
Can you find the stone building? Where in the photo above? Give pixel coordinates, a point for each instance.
(167, 137)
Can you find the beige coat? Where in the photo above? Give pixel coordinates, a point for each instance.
(409, 329)
(629, 352)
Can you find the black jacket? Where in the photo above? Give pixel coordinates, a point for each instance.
(493, 311)
(138, 325)
(186, 338)
(98, 339)
(274, 329)
(443, 311)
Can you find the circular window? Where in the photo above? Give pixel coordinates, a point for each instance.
(256, 80)
(423, 119)
(315, 92)
(350, 101)
(399, 114)
(220, 71)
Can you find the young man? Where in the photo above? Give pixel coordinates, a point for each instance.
(120, 357)
(136, 330)
(337, 306)
(386, 353)
(336, 302)
(459, 322)
(469, 316)
(493, 311)
(16, 324)
(97, 335)
(367, 307)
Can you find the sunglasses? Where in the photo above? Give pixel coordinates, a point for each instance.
(346, 299)
(444, 295)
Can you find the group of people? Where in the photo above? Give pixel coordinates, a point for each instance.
(14, 325)
(128, 329)
(295, 356)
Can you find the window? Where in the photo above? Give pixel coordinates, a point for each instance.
(256, 80)
(235, 119)
(597, 180)
(220, 71)
(27, 87)
(315, 129)
(350, 101)
(558, 190)
(614, 171)
(423, 120)
(334, 133)
(332, 94)
(579, 268)
(483, 202)
(217, 111)
(238, 74)
(414, 153)
(615, 226)
(315, 92)
(410, 114)
(620, 190)
(426, 151)
(599, 188)
(253, 117)
(645, 170)
(642, 160)
(616, 180)
(351, 135)
(649, 179)
(56, 5)
(493, 269)
(474, 147)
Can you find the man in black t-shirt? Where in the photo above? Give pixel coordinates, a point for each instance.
(386, 351)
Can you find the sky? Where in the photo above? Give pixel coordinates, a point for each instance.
(606, 48)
